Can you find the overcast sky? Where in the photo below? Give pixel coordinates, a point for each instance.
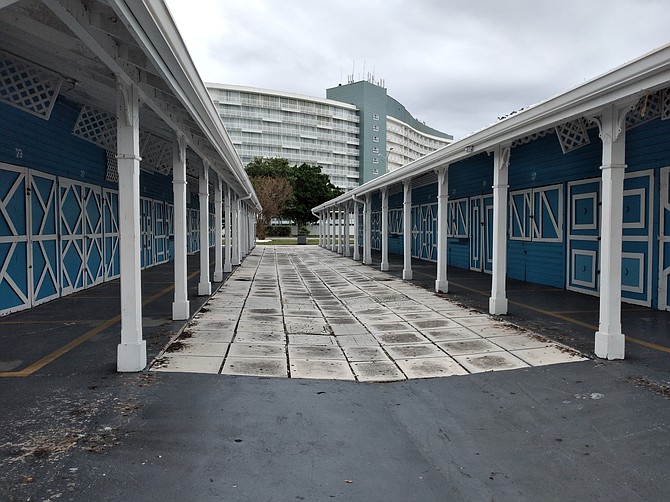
(457, 65)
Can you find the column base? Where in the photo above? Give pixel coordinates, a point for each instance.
(180, 311)
(357, 256)
(131, 357)
(218, 276)
(497, 306)
(384, 267)
(441, 286)
(407, 274)
(610, 346)
(227, 268)
(204, 289)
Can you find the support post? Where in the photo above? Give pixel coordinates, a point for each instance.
(204, 286)
(218, 230)
(180, 305)
(407, 229)
(609, 340)
(357, 253)
(441, 284)
(235, 259)
(131, 352)
(367, 230)
(228, 247)
(385, 229)
(347, 247)
(498, 300)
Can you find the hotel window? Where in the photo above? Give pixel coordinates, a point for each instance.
(375, 171)
(375, 139)
(375, 128)
(375, 116)
(375, 149)
(375, 160)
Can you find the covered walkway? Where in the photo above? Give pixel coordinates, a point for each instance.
(303, 312)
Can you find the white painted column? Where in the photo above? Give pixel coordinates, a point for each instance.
(204, 286)
(340, 233)
(180, 305)
(347, 247)
(240, 229)
(333, 228)
(228, 247)
(132, 351)
(385, 229)
(235, 259)
(407, 229)
(367, 230)
(357, 253)
(609, 340)
(322, 229)
(498, 300)
(218, 230)
(441, 284)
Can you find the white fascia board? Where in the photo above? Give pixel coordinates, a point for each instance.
(152, 23)
(632, 80)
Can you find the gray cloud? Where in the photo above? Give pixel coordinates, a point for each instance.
(455, 64)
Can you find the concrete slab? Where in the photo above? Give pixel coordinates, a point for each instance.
(401, 338)
(189, 348)
(257, 350)
(315, 353)
(548, 355)
(362, 354)
(377, 371)
(321, 370)
(410, 351)
(262, 366)
(187, 364)
(357, 340)
(475, 346)
(204, 324)
(266, 338)
(495, 361)
(525, 341)
(311, 340)
(304, 325)
(430, 368)
(194, 335)
(450, 334)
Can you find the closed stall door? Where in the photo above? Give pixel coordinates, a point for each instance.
(43, 237)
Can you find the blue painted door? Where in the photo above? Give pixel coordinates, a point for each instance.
(111, 231)
(487, 202)
(147, 233)
(160, 232)
(169, 230)
(664, 241)
(583, 236)
(72, 246)
(476, 236)
(416, 231)
(14, 280)
(94, 268)
(43, 237)
(636, 249)
(375, 230)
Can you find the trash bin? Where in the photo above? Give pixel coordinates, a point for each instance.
(302, 239)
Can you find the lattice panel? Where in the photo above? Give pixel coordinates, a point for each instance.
(665, 104)
(156, 153)
(648, 108)
(97, 127)
(28, 87)
(532, 137)
(112, 173)
(572, 135)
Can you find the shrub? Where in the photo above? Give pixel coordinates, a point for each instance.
(278, 231)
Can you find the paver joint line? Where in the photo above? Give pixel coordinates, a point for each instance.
(295, 312)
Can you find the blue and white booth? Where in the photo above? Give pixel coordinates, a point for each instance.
(112, 159)
(572, 192)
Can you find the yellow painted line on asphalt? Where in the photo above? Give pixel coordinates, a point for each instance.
(78, 341)
(562, 317)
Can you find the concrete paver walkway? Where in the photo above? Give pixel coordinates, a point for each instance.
(303, 312)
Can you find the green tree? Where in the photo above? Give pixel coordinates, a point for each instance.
(310, 188)
(275, 167)
(273, 184)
